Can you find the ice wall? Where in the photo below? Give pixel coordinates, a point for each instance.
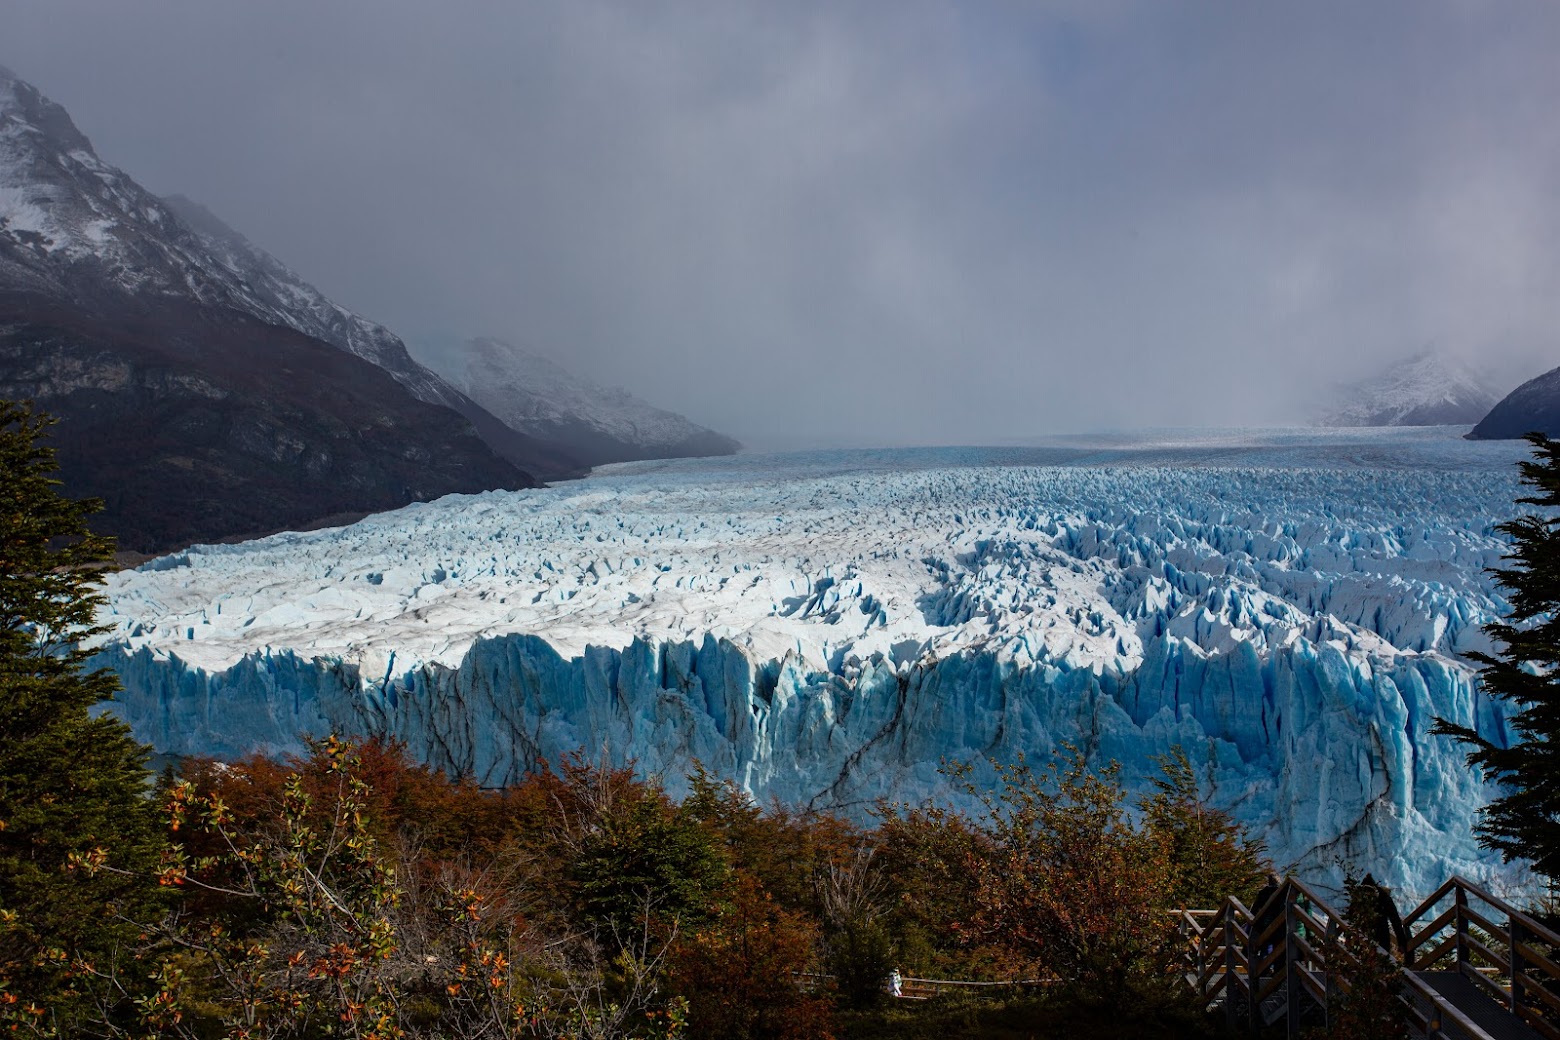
(1329, 756)
(828, 632)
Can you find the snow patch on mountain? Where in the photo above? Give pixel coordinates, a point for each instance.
(827, 628)
(65, 213)
(72, 225)
(1427, 389)
(536, 395)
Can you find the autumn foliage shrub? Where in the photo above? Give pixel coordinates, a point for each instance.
(1058, 880)
(741, 972)
(1209, 856)
(1069, 880)
(351, 892)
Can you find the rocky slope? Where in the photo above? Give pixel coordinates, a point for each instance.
(272, 292)
(195, 424)
(1532, 407)
(201, 400)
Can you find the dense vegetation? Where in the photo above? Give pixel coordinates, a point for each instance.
(354, 893)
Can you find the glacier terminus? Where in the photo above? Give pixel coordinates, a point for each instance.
(1291, 608)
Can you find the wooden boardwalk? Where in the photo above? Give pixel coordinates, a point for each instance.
(1492, 1017)
(1474, 967)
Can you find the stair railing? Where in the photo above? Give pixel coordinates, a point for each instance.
(1514, 961)
(1262, 973)
(1215, 962)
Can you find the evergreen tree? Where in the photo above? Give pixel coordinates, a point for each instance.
(73, 784)
(1524, 822)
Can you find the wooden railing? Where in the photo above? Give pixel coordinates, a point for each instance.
(926, 988)
(1294, 962)
(1502, 951)
(1298, 958)
(915, 988)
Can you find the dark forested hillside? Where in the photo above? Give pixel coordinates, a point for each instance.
(197, 424)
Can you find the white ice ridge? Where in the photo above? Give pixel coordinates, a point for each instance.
(827, 628)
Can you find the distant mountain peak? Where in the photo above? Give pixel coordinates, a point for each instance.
(1425, 389)
(205, 389)
(537, 396)
(76, 227)
(23, 106)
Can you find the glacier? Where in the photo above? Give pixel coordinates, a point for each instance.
(1291, 608)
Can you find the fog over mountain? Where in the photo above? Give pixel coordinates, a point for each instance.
(871, 223)
(1423, 390)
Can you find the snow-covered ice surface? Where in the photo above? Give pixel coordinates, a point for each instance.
(1289, 607)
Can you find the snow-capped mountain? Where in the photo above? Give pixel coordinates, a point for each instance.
(1427, 389)
(827, 628)
(74, 228)
(273, 292)
(206, 391)
(1533, 407)
(537, 396)
(68, 220)
(73, 225)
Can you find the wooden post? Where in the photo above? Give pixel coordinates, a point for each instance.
(1292, 986)
(1231, 979)
(1460, 923)
(1330, 955)
(1254, 975)
(1513, 937)
(1198, 942)
(1203, 939)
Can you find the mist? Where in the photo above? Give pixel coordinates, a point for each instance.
(872, 223)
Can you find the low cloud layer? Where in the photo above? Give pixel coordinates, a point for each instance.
(872, 223)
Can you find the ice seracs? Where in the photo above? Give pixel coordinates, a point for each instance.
(828, 628)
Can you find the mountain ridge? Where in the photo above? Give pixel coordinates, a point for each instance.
(1425, 389)
(285, 297)
(1533, 407)
(534, 394)
(193, 407)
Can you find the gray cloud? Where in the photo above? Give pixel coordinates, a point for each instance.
(873, 222)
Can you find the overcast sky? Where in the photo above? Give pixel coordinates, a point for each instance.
(886, 222)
